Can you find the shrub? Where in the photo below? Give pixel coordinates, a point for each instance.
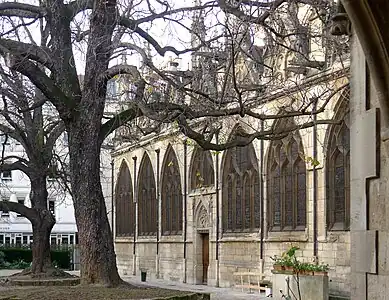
(20, 258)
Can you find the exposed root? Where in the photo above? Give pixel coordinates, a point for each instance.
(121, 285)
(126, 285)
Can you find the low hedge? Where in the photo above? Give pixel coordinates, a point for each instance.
(62, 258)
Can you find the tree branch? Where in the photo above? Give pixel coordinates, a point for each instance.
(239, 140)
(17, 165)
(53, 136)
(63, 104)
(36, 53)
(133, 25)
(123, 69)
(19, 208)
(77, 6)
(15, 9)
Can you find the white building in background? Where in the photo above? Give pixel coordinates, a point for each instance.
(15, 186)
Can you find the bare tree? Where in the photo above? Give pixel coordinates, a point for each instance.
(36, 130)
(231, 75)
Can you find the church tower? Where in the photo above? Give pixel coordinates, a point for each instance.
(198, 33)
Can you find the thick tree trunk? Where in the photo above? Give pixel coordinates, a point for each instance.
(42, 224)
(98, 259)
(41, 229)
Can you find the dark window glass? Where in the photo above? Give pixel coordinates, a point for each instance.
(147, 199)
(241, 203)
(124, 204)
(171, 195)
(286, 185)
(202, 171)
(338, 174)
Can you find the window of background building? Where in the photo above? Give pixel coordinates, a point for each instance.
(5, 213)
(6, 175)
(52, 207)
(20, 201)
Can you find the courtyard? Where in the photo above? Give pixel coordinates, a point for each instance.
(141, 290)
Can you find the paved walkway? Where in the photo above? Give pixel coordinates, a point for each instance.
(216, 293)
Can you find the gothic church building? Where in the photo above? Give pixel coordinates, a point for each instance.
(188, 215)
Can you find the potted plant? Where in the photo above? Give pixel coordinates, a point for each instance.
(278, 263)
(287, 262)
(304, 269)
(321, 270)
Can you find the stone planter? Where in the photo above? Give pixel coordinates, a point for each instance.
(321, 273)
(311, 287)
(289, 268)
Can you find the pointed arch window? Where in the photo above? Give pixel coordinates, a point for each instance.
(241, 202)
(286, 184)
(147, 199)
(124, 204)
(171, 195)
(202, 171)
(338, 175)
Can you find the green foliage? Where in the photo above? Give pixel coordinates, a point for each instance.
(313, 161)
(190, 142)
(200, 179)
(21, 258)
(62, 258)
(288, 259)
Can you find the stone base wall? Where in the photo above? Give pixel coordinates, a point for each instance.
(235, 255)
(124, 257)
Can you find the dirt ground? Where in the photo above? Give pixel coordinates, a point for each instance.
(84, 293)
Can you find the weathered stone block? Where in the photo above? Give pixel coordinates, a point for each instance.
(311, 287)
(364, 251)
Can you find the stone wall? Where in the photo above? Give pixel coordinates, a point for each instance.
(369, 187)
(237, 252)
(124, 256)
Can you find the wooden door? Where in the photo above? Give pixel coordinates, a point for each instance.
(205, 238)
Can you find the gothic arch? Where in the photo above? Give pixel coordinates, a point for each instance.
(202, 173)
(337, 169)
(147, 198)
(286, 181)
(171, 194)
(240, 195)
(202, 218)
(124, 203)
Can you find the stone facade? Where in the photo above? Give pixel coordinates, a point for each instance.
(369, 157)
(178, 258)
